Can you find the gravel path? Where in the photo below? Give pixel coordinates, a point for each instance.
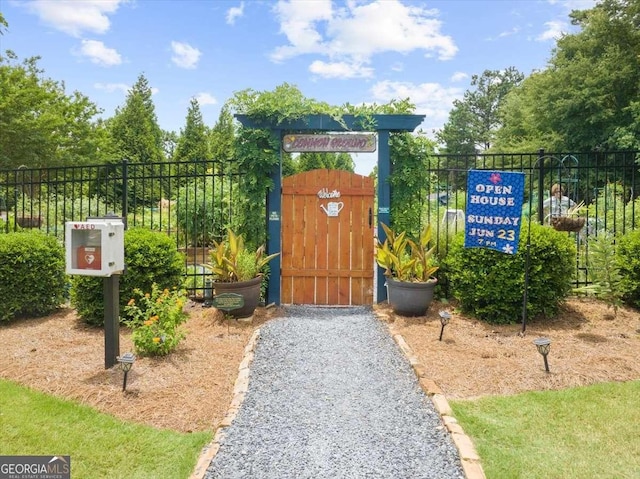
(331, 396)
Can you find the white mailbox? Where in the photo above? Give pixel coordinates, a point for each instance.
(95, 247)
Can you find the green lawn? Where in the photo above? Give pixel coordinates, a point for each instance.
(100, 446)
(580, 433)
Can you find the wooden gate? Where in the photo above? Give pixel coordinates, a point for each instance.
(327, 238)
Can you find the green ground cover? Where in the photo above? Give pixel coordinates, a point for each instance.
(100, 446)
(577, 433)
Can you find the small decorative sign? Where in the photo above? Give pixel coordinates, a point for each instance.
(325, 193)
(494, 210)
(357, 143)
(274, 216)
(333, 208)
(228, 301)
(383, 210)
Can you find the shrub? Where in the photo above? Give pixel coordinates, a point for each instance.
(155, 318)
(198, 208)
(150, 257)
(490, 284)
(32, 274)
(603, 271)
(628, 259)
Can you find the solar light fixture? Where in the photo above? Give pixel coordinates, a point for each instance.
(543, 345)
(445, 316)
(126, 363)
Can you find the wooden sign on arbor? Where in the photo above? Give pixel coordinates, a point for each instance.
(327, 238)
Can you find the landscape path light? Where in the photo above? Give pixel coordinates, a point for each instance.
(208, 293)
(126, 363)
(445, 316)
(543, 345)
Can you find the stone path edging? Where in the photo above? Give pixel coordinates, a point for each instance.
(468, 455)
(239, 391)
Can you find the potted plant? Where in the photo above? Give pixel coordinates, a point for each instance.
(235, 269)
(409, 268)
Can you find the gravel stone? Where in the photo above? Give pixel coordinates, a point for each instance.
(331, 396)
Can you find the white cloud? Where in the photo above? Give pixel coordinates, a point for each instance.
(75, 16)
(508, 33)
(340, 70)
(574, 4)
(355, 33)
(99, 54)
(431, 99)
(235, 12)
(554, 29)
(184, 55)
(124, 88)
(205, 99)
(297, 22)
(459, 76)
(111, 87)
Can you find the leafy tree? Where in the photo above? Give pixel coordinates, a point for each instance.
(134, 127)
(457, 134)
(192, 144)
(169, 143)
(332, 161)
(40, 125)
(221, 141)
(589, 96)
(222, 135)
(475, 119)
(135, 136)
(3, 24)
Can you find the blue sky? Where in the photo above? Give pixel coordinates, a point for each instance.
(354, 51)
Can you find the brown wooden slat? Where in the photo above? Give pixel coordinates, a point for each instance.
(327, 259)
(328, 273)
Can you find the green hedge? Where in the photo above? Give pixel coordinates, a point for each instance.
(150, 257)
(32, 274)
(490, 284)
(628, 258)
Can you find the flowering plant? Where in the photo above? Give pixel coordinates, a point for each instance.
(155, 318)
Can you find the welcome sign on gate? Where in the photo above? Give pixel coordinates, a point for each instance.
(494, 210)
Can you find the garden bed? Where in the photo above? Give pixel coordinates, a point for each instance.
(190, 389)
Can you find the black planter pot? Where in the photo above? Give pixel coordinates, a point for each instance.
(410, 299)
(250, 291)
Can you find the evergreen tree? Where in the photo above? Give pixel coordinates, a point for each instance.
(136, 136)
(134, 128)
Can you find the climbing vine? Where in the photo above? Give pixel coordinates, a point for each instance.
(257, 149)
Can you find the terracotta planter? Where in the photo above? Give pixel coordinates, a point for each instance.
(410, 299)
(250, 291)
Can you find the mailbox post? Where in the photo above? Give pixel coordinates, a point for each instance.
(96, 248)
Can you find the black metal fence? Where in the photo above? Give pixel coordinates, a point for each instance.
(195, 202)
(604, 185)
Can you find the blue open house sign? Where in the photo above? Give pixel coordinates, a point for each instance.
(494, 210)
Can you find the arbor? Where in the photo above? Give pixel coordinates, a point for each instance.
(589, 96)
(40, 125)
(474, 120)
